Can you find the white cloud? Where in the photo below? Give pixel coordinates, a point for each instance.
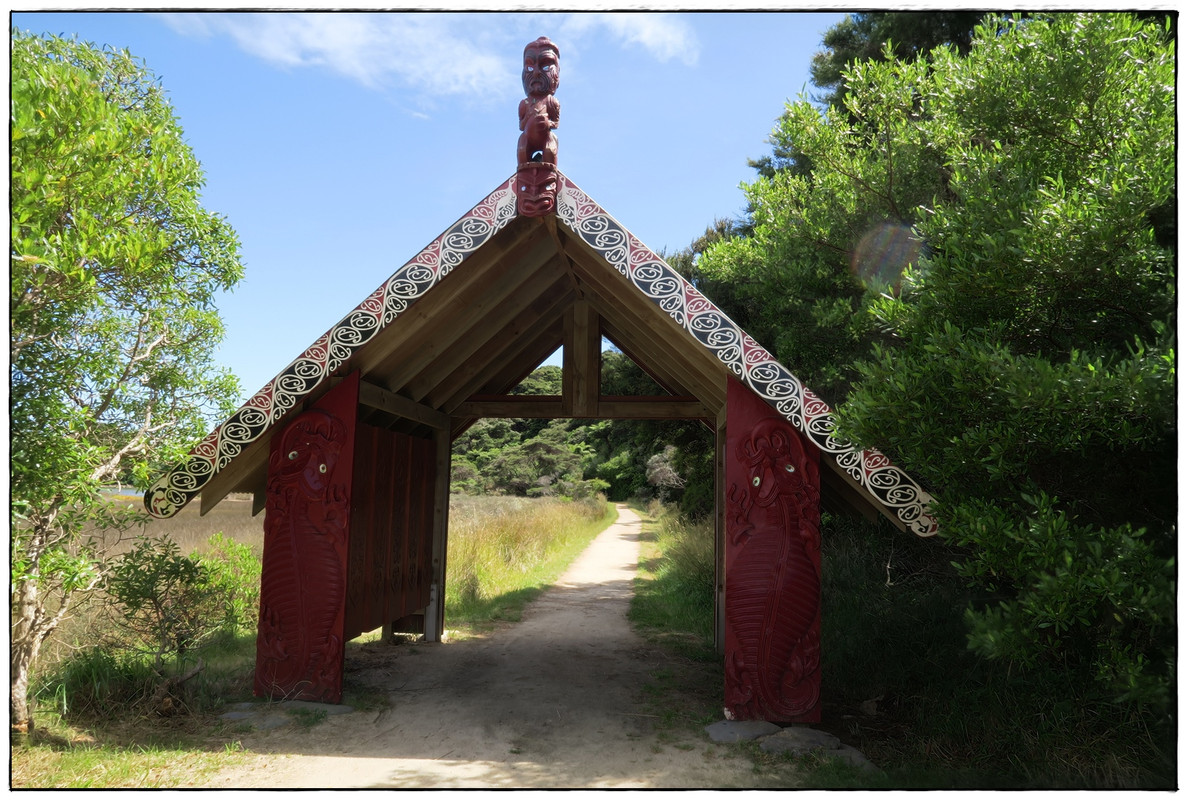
(474, 56)
(663, 36)
(416, 50)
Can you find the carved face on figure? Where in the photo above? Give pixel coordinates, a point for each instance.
(541, 68)
(310, 451)
(772, 456)
(535, 190)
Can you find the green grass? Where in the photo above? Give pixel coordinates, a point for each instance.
(129, 754)
(899, 682)
(673, 602)
(673, 606)
(505, 551)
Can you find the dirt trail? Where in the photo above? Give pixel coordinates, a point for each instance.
(553, 701)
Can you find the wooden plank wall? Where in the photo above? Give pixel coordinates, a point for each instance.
(391, 528)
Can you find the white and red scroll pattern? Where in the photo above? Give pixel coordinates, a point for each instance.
(171, 492)
(747, 359)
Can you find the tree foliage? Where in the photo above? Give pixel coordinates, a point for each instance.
(991, 228)
(869, 36)
(579, 458)
(115, 271)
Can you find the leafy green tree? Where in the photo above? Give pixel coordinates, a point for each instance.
(869, 36)
(1002, 212)
(1033, 380)
(115, 270)
(875, 35)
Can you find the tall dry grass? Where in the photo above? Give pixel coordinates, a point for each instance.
(504, 551)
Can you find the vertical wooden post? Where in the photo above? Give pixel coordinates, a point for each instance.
(435, 613)
(304, 575)
(582, 371)
(719, 506)
(772, 555)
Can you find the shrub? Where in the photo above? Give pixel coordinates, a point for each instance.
(164, 603)
(233, 573)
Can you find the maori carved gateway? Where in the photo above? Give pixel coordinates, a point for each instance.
(347, 449)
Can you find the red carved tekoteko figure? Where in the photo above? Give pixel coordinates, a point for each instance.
(299, 647)
(772, 598)
(539, 114)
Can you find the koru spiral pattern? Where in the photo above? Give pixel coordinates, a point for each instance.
(752, 364)
(647, 271)
(176, 488)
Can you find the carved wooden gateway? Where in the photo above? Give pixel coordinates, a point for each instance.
(347, 450)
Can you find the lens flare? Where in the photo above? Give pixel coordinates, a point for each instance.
(883, 254)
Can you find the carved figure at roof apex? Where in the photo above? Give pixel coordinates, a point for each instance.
(539, 114)
(540, 111)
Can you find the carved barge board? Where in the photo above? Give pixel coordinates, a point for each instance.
(772, 565)
(299, 646)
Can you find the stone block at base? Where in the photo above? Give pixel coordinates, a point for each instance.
(740, 730)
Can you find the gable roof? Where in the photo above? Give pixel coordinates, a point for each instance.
(483, 304)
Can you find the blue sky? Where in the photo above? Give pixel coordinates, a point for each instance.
(338, 145)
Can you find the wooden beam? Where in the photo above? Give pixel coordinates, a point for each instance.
(552, 407)
(464, 314)
(247, 472)
(719, 519)
(508, 357)
(554, 232)
(435, 612)
(374, 396)
(652, 408)
(582, 361)
(649, 331)
(539, 292)
(837, 483)
(514, 407)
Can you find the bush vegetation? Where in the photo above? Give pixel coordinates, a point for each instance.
(899, 682)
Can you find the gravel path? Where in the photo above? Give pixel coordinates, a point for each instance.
(553, 701)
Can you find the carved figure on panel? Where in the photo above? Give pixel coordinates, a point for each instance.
(773, 578)
(303, 581)
(539, 115)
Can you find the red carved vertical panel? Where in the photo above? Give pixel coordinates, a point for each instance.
(772, 565)
(299, 647)
(385, 534)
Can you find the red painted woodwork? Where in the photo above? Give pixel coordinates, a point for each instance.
(391, 530)
(539, 115)
(299, 646)
(535, 190)
(772, 565)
